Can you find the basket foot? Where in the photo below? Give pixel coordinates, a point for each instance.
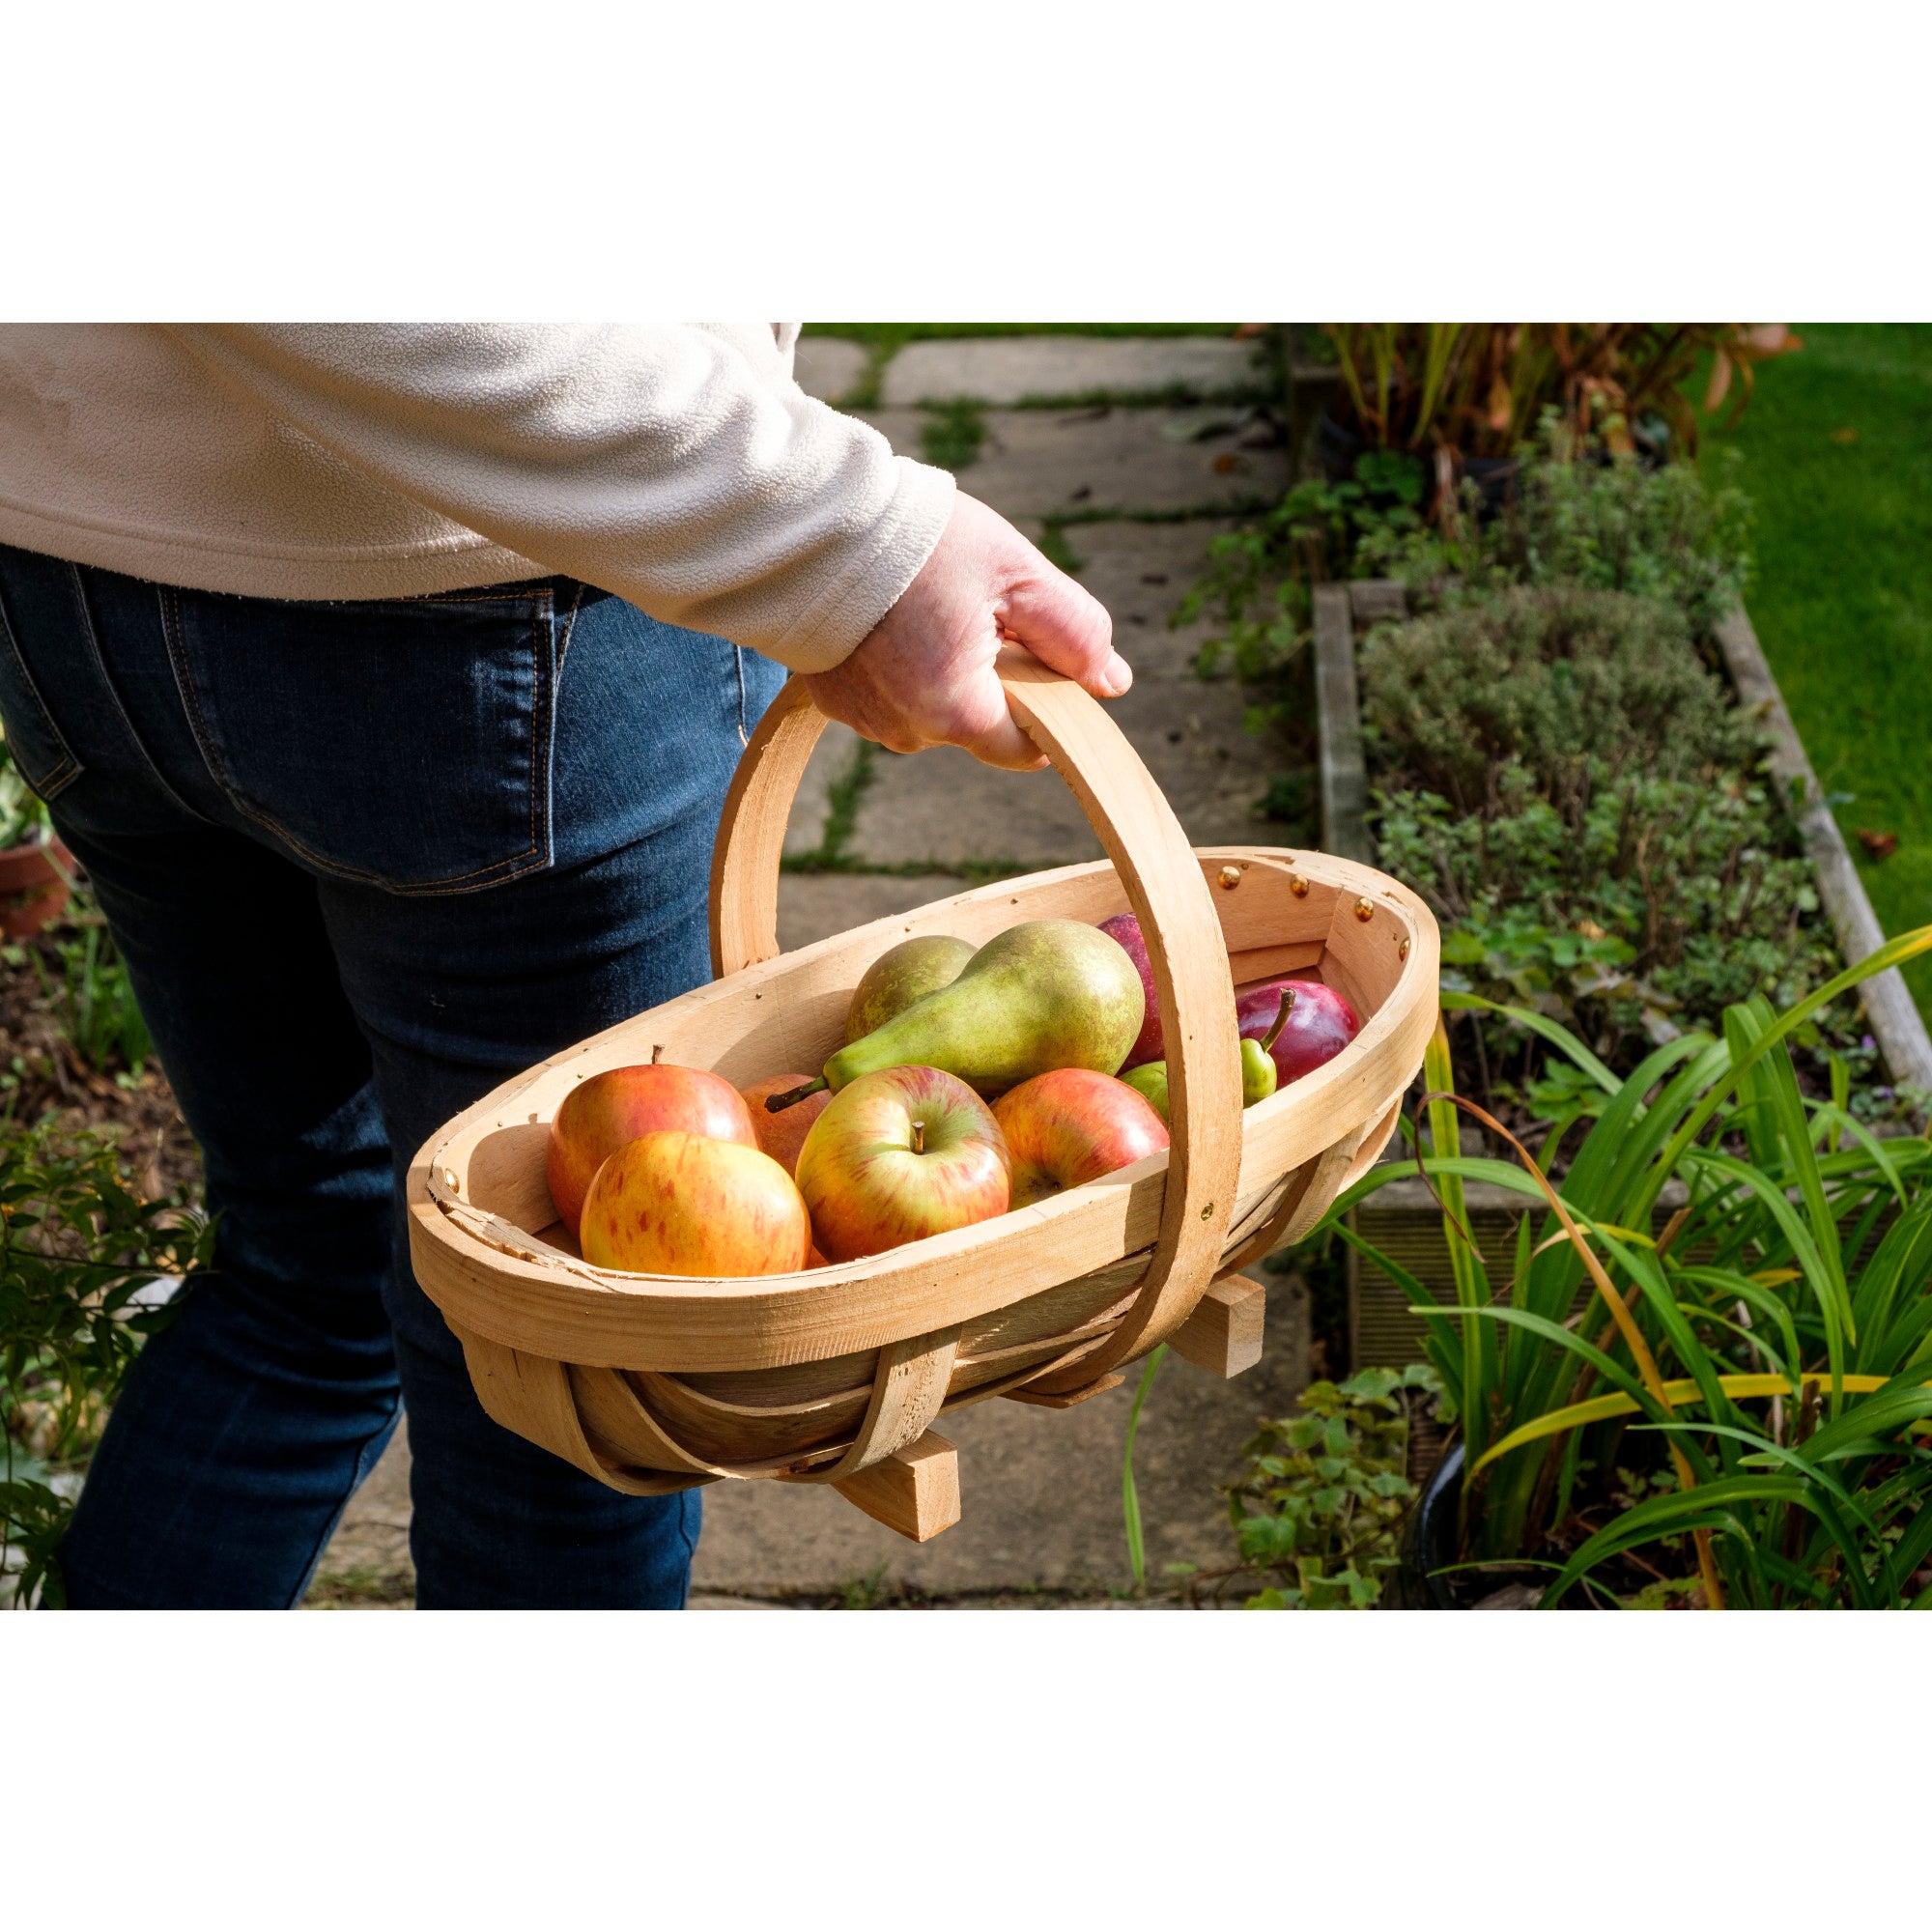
(1224, 1333)
(916, 1492)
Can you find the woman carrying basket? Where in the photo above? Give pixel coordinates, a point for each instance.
(387, 681)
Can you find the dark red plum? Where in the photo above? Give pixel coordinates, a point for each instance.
(1319, 1024)
(1124, 928)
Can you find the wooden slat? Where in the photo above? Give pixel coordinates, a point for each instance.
(1895, 1020)
(1037, 1397)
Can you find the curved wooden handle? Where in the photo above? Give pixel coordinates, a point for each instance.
(1165, 887)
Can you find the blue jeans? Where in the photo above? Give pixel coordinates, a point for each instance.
(363, 859)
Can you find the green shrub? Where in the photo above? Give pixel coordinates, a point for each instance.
(1584, 810)
(1662, 532)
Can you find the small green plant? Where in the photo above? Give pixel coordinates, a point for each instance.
(76, 1242)
(1130, 1495)
(96, 1000)
(1320, 1505)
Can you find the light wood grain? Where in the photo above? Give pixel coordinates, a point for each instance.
(914, 1491)
(1224, 1334)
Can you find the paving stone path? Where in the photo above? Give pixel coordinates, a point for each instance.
(1125, 457)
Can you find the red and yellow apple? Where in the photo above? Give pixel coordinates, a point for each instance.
(604, 1112)
(685, 1203)
(1072, 1126)
(900, 1153)
(781, 1134)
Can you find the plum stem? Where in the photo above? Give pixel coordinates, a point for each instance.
(918, 1137)
(1273, 1032)
(777, 1103)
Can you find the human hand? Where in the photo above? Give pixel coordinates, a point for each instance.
(926, 674)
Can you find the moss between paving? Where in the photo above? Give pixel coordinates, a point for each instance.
(1837, 454)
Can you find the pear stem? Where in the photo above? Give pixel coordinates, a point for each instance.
(1273, 1032)
(777, 1103)
(918, 1137)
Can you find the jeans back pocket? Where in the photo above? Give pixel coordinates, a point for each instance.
(403, 744)
(38, 751)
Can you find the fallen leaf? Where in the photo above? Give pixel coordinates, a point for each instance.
(1227, 462)
(1588, 928)
(1879, 845)
(1844, 436)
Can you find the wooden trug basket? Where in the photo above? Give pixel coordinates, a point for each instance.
(652, 1383)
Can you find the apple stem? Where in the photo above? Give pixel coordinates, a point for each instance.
(918, 1137)
(777, 1103)
(656, 1054)
(1273, 1032)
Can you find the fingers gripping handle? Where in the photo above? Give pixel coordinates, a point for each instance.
(1165, 887)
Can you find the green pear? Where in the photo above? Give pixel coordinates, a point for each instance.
(1043, 994)
(902, 975)
(1149, 1080)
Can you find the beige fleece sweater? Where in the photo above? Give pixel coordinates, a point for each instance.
(679, 466)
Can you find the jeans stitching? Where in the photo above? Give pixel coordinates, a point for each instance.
(87, 624)
(531, 859)
(68, 768)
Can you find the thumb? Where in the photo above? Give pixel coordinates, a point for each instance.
(1066, 628)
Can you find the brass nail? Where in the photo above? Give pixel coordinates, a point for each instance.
(1298, 885)
(450, 1182)
(1401, 951)
(1207, 1212)
(1231, 877)
(1364, 911)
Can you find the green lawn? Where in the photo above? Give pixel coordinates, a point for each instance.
(1842, 599)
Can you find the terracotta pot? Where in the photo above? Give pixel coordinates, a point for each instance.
(33, 894)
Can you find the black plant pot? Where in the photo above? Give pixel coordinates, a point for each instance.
(1429, 1542)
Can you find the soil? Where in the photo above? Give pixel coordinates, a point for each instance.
(45, 1078)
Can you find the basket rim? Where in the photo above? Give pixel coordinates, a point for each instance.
(508, 1285)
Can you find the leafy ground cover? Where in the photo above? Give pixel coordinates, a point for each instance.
(1836, 453)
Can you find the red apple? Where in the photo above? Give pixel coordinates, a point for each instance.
(900, 1153)
(1319, 1024)
(781, 1134)
(1126, 929)
(1072, 1126)
(684, 1204)
(606, 1110)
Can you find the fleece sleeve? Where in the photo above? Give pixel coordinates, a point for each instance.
(656, 462)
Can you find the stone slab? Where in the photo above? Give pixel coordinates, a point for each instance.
(1191, 734)
(814, 905)
(1014, 369)
(830, 759)
(1040, 1490)
(827, 366)
(942, 807)
(1047, 463)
